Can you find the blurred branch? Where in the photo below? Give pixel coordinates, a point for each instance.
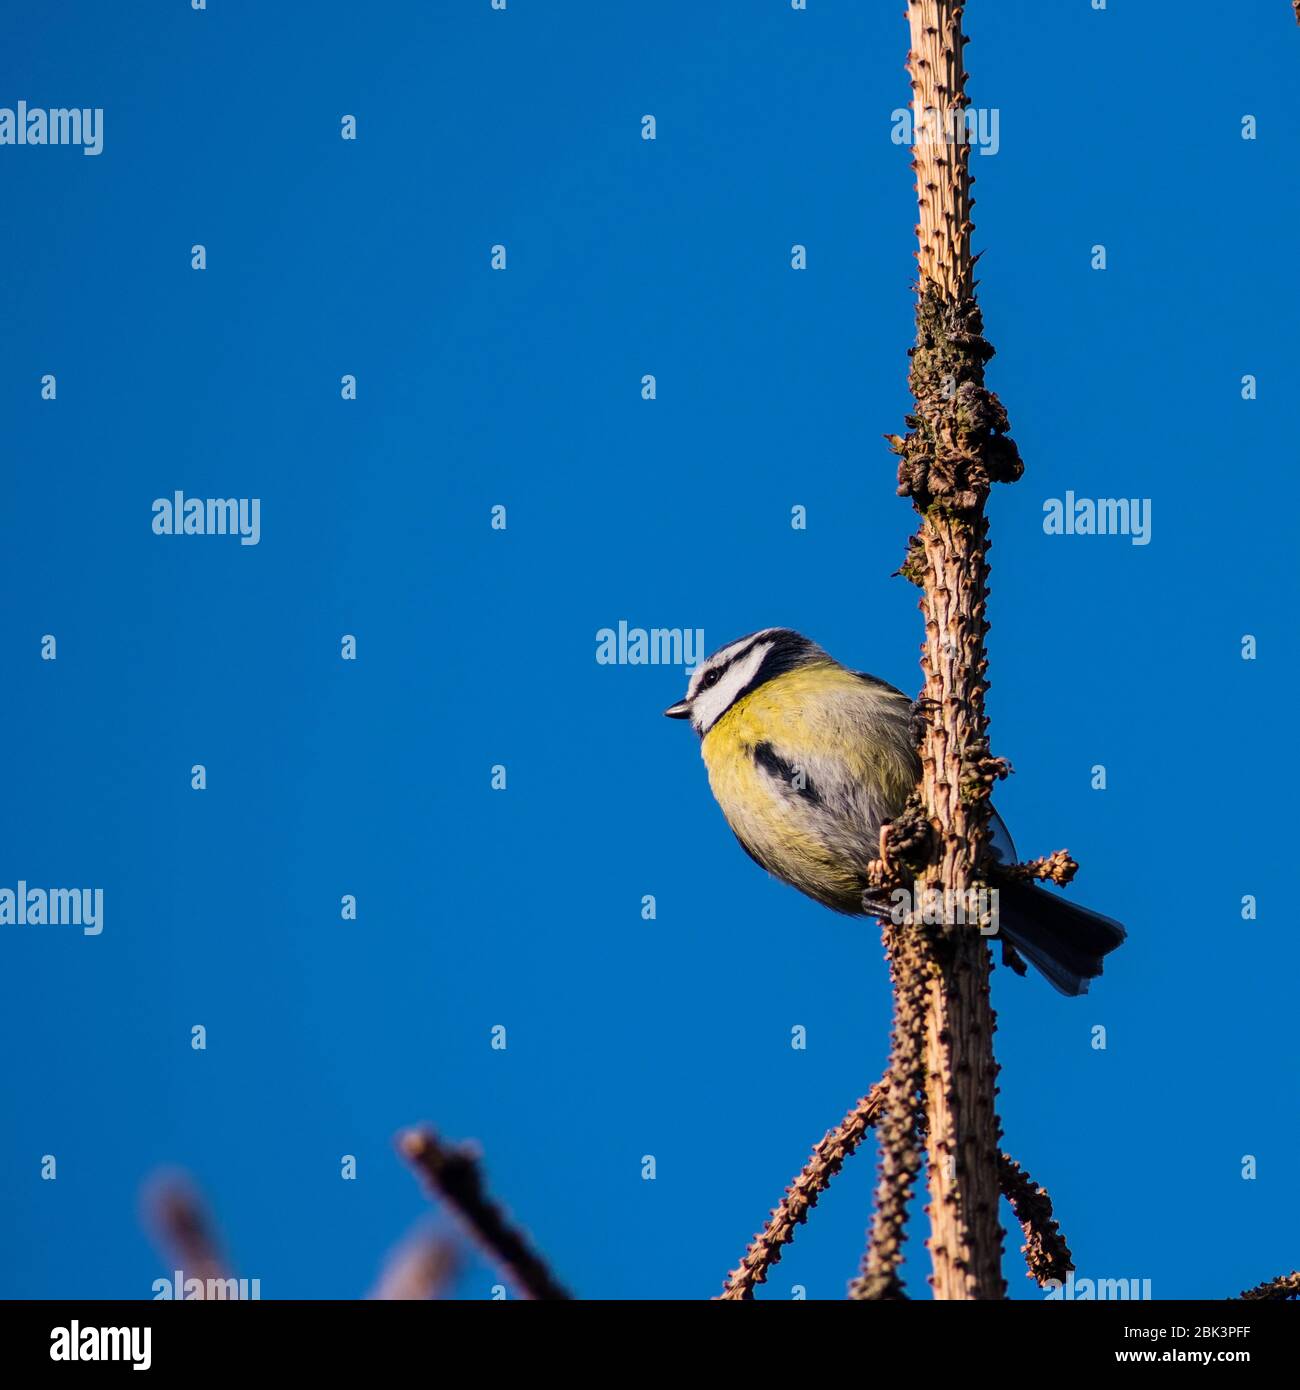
(1285, 1285)
(453, 1173)
(801, 1196)
(183, 1229)
(423, 1267)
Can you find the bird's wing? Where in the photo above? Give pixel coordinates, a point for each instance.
(876, 681)
(1001, 845)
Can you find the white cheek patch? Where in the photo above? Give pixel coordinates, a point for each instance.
(715, 662)
(709, 705)
(723, 655)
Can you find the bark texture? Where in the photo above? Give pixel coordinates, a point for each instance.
(902, 1118)
(801, 1196)
(956, 448)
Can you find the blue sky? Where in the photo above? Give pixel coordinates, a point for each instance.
(522, 388)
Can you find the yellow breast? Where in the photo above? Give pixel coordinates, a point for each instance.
(848, 737)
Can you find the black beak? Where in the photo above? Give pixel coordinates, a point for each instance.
(681, 710)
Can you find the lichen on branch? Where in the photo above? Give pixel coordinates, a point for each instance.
(957, 444)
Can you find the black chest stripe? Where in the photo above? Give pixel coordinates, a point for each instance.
(776, 766)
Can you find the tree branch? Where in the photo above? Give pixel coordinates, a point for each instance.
(956, 448)
(1285, 1285)
(801, 1196)
(453, 1173)
(421, 1269)
(901, 1122)
(184, 1230)
(1046, 1253)
(1056, 868)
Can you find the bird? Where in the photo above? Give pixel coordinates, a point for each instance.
(809, 759)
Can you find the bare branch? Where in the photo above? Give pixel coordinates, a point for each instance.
(423, 1267)
(183, 1230)
(801, 1196)
(1058, 868)
(1285, 1285)
(956, 448)
(901, 1122)
(1045, 1250)
(453, 1173)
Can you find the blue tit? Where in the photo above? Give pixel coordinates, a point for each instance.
(808, 760)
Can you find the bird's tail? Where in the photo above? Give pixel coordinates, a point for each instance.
(1066, 942)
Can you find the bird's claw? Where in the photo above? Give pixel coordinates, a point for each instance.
(919, 717)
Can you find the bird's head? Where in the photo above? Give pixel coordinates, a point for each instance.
(739, 668)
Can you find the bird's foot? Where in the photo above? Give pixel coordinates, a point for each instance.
(920, 716)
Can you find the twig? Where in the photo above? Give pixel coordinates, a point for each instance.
(801, 1196)
(902, 1121)
(423, 1267)
(453, 1173)
(1045, 1250)
(1046, 1253)
(1285, 1285)
(183, 1229)
(1058, 868)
